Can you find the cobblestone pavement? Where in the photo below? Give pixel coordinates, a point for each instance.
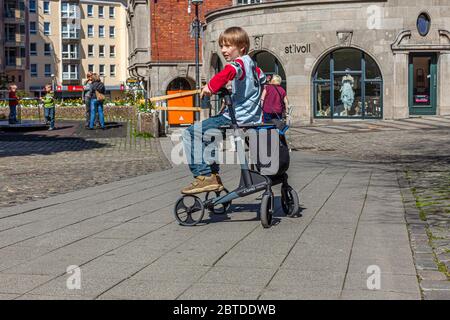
(420, 149)
(37, 164)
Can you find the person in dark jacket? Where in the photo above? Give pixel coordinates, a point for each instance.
(98, 89)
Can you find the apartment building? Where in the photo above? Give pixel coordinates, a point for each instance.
(59, 41)
(13, 41)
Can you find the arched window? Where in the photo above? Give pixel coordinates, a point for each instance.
(348, 84)
(179, 84)
(270, 65)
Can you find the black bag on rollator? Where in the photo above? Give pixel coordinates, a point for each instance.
(268, 164)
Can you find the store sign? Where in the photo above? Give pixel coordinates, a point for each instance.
(70, 88)
(298, 49)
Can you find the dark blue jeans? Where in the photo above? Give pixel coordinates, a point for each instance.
(49, 115)
(194, 150)
(12, 114)
(96, 106)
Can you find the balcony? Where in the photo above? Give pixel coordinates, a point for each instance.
(72, 35)
(70, 76)
(14, 63)
(15, 40)
(14, 16)
(71, 56)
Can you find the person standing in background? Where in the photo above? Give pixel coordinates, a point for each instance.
(13, 102)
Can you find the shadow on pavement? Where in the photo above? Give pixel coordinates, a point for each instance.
(67, 136)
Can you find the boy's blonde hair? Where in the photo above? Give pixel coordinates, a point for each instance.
(235, 36)
(12, 86)
(276, 79)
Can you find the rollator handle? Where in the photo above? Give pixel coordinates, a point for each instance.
(226, 96)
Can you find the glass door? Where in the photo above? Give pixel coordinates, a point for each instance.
(422, 84)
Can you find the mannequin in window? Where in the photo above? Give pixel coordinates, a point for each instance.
(347, 93)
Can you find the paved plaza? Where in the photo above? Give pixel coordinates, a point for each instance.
(353, 239)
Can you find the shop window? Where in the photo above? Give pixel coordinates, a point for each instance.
(348, 84)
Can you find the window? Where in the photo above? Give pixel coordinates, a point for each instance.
(101, 51)
(241, 2)
(100, 11)
(47, 28)
(46, 7)
(33, 70)
(70, 51)
(270, 64)
(101, 70)
(48, 70)
(47, 49)
(32, 6)
(112, 51)
(112, 12)
(33, 27)
(90, 31)
(112, 70)
(90, 10)
(69, 10)
(112, 31)
(33, 50)
(101, 31)
(70, 31)
(91, 68)
(70, 72)
(90, 50)
(348, 84)
(423, 24)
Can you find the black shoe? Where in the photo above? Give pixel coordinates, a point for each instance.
(103, 128)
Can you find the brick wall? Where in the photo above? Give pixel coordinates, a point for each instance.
(170, 25)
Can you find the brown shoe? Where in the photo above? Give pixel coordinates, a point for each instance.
(204, 184)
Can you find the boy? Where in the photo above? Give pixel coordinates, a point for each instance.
(13, 101)
(49, 106)
(246, 91)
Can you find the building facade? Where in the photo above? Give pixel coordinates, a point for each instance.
(58, 42)
(347, 59)
(162, 46)
(14, 41)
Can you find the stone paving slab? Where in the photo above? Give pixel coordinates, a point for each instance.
(151, 257)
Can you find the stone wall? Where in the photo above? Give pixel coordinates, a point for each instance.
(375, 27)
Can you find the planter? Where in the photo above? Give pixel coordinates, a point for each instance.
(148, 123)
(74, 113)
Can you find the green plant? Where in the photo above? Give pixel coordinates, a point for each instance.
(144, 135)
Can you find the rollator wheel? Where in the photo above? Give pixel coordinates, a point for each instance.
(266, 211)
(289, 201)
(189, 210)
(220, 208)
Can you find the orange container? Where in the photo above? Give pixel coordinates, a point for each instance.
(180, 117)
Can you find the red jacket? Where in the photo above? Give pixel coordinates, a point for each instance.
(13, 100)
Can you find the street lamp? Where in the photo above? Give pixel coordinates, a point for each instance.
(197, 26)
